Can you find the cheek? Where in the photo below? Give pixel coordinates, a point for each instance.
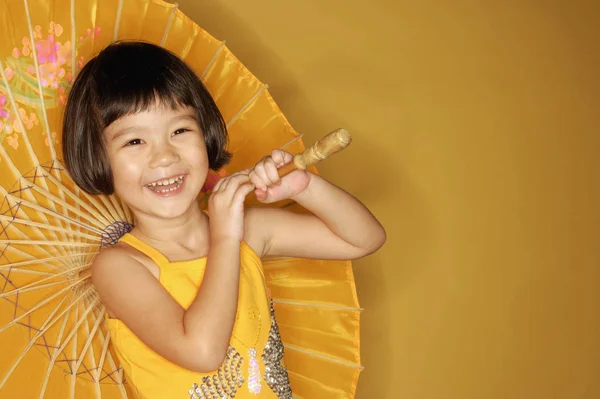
(126, 173)
(197, 155)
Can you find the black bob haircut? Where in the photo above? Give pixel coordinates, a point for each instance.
(123, 79)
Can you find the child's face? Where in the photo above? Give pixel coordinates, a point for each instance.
(158, 160)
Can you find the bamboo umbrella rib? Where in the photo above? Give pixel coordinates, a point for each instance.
(47, 227)
(163, 40)
(92, 335)
(61, 201)
(98, 229)
(47, 324)
(292, 141)
(252, 100)
(73, 353)
(11, 97)
(105, 352)
(25, 135)
(55, 355)
(29, 289)
(55, 244)
(68, 206)
(22, 254)
(48, 132)
(121, 385)
(73, 39)
(191, 40)
(117, 21)
(103, 356)
(317, 305)
(77, 228)
(269, 259)
(14, 228)
(12, 166)
(88, 349)
(42, 303)
(115, 203)
(39, 79)
(61, 194)
(128, 215)
(35, 285)
(37, 261)
(108, 205)
(30, 272)
(32, 260)
(213, 59)
(73, 332)
(102, 218)
(27, 144)
(31, 204)
(92, 200)
(324, 357)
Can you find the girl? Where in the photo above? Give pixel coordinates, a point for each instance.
(187, 305)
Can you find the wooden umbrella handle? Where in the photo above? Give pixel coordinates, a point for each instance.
(322, 149)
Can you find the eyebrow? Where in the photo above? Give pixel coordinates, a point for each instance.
(192, 117)
(122, 132)
(133, 129)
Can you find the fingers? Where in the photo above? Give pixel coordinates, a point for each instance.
(281, 157)
(224, 182)
(218, 185)
(242, 192)
(234, 183)
(265, 174)
(231, 190)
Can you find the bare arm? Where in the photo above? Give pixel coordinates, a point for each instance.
(196, 339)
(341, 227)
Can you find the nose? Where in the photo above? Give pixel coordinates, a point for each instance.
(164, 156)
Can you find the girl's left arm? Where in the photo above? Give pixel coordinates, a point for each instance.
(340, 226)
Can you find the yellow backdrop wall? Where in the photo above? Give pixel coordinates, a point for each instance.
(476, 133)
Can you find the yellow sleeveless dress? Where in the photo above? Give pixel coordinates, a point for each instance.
(253, 367)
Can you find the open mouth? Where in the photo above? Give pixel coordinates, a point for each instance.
(167, 186)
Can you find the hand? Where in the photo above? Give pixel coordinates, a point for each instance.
(269, 186)
(226, 206)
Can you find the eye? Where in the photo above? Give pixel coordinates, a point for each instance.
(133, 142)
(179, 131)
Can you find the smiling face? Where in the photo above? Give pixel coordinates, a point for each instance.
(158, 160)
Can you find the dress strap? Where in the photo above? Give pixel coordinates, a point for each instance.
(144, 248)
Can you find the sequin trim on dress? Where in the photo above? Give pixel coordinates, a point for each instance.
(254, 384)
(225, 383)
(276, 375)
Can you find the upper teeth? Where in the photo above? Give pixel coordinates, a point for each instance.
(166, 181)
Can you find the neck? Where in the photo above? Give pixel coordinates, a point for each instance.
(189, 230)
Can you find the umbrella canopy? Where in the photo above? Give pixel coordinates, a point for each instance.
(53, 340)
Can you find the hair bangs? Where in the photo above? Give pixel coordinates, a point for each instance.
(141, 79)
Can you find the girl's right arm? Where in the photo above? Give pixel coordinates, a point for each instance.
(197, 338)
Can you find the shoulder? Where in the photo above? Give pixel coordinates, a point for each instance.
(117, 262)
(118, 273)
(117, 253)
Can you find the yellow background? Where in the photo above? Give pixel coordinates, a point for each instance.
(476, 135)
